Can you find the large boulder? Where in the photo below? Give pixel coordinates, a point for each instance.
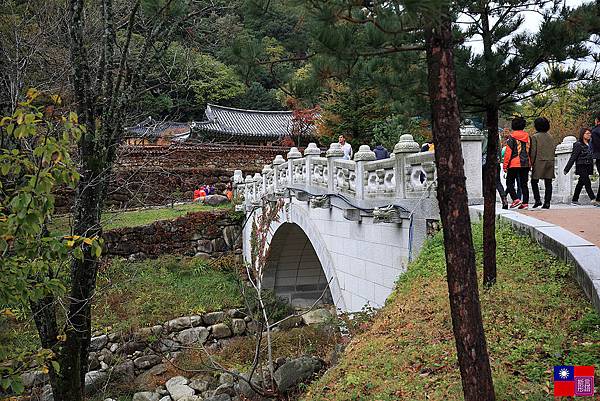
(296, 371)
(179, 324)
(178, 388)
(238, 326)
(147, 361)
(214, 318)
(317, 316)
(146, 396)
(215, 200)
(34, 378)
(95, 380)
(193, 335)
(124, 372)
(97, 343)
(220, 330)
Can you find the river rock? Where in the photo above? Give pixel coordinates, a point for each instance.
(97, 343)
(317, 316)
(124, 372)
(220, 330)
(296, 371)
(146, 396)
(95, 380)
(145, 362)
(193, 335)
(199, 385)
(213, 318)
(179, 324)
(220, 397)
(34, 378)
(238, 326)
(178, 388)
(215, 200)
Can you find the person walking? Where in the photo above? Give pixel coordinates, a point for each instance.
(346, 147)
(581, 156)
(595, 142)
(517, 163)
(542, 162)
(381, 152)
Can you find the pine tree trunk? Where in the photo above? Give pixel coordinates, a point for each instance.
(452, 197)
(491, 165)
(489, 198)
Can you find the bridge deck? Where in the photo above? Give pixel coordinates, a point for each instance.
(583, 221)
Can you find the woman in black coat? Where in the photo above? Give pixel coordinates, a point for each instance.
(584, 164)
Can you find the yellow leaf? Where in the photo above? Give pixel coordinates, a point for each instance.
(44, 369)
(4, 121)
(88, 241)
(56, 99)
(8, 313)
(73, 117)
(61, 337)
(70, 243)
(32, 93)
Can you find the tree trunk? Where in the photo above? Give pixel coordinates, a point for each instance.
(491, 165)
(489, 198)
(452, 197)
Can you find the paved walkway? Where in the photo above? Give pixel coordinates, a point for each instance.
(583, 221)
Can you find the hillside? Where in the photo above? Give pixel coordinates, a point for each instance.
(535, 317)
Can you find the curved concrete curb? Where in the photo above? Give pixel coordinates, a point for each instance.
(578, 252)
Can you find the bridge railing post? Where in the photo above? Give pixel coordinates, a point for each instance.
(334, 152)
(256, 188)
(310, 152)
(248, 191)
(267, 179)
(294, 153)
(363, 155)
(406, 146)
(276, 163)
(564, 183)
(470, 140)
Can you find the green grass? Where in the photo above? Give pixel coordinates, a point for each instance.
(62, 225)
(137, 294)
(536, 316)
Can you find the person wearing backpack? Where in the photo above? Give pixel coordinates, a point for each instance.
(516, 162)
(542, 162)
(581, 156)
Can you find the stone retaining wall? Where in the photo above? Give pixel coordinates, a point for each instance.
(209, 234)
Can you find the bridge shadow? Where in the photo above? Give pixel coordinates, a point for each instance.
(294, 271)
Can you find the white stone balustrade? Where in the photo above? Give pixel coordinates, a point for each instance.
(407, 174)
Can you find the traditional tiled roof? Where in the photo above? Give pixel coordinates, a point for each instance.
(152, 129)
(228, 121)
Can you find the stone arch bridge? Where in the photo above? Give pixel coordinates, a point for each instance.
(345, 230)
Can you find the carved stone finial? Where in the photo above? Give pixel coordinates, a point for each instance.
(312, 150)
(335, 150)
(364, 154)
(469, 132)
(249, 179)
(278, 160)
(566, 146)
(266, 169)
(294, 153)
(257, 177)
(406, 144)
(238, 177)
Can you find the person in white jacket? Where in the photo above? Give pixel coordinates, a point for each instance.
(346, 147)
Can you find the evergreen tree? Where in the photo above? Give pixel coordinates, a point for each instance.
(505, 73)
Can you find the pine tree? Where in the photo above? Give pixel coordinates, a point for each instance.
(505, 73)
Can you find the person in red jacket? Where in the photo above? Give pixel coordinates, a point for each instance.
(517, 163)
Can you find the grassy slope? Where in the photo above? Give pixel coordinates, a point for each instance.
(134, 218)
(137, 294)
(535, 317)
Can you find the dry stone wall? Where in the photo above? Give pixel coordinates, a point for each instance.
(209, 234)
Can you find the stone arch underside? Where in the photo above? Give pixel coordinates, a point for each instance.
(294, 270)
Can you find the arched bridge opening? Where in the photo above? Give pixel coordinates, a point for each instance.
(294, 271)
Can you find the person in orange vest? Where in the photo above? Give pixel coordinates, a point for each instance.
(517, 163)
(199, 195)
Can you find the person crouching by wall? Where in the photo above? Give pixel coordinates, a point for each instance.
(542, 162)
(516, 162)
(584, 164)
